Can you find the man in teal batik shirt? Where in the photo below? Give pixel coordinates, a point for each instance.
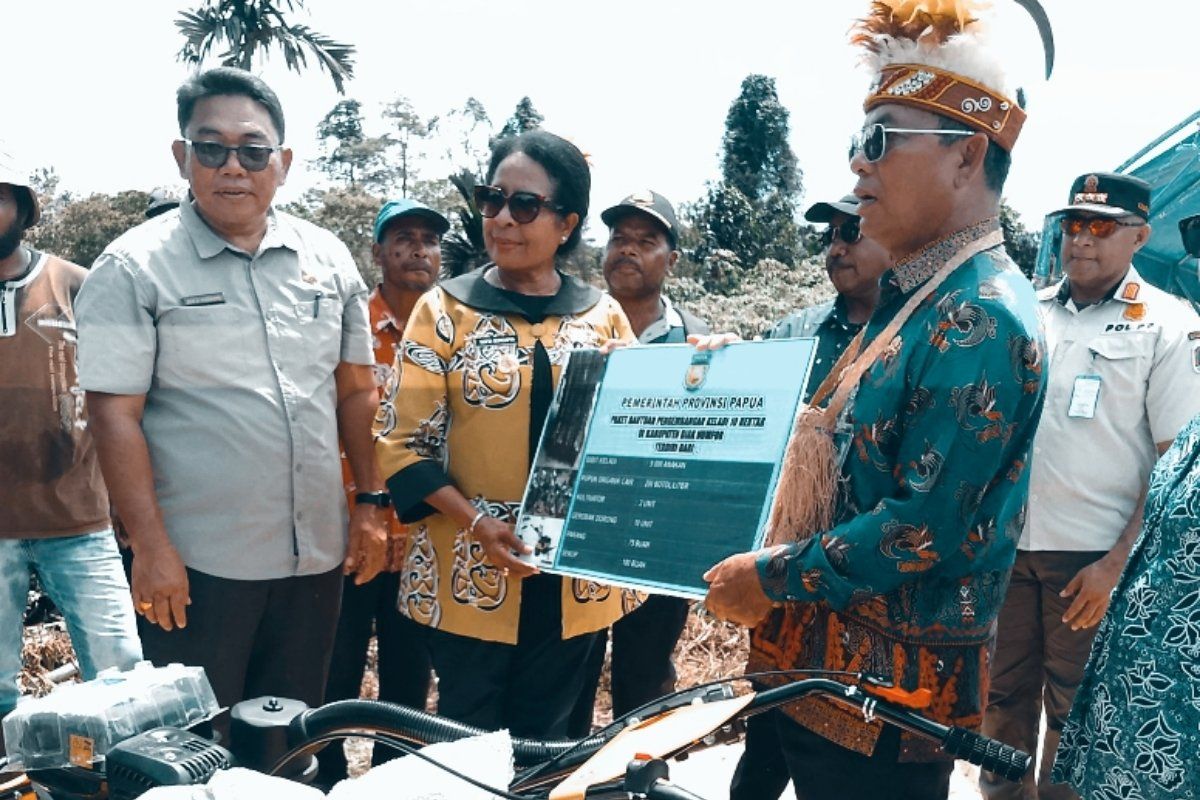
(907, 582)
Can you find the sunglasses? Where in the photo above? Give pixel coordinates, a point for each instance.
(872, 141)
(1099, 227)
(252, 157)
(523, 206)
(848, 232)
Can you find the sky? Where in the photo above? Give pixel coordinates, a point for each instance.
(642, 86)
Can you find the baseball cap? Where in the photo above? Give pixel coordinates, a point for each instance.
(14, 175)
(827, 210)
(647, 202)
(406, 207)
(1109, 194)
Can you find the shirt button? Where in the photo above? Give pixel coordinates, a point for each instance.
(299, 516)
(299, 468)
(538, 330)
(1033, 497)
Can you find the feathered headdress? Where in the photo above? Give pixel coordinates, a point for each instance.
(936, 55)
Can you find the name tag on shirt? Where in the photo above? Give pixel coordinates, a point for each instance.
(1084, 397)
(210, 299)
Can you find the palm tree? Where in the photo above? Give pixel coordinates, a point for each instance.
(253, 27)
(463, 250)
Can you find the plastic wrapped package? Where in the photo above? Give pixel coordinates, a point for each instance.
(80, 722)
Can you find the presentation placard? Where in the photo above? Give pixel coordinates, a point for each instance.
(657, 462)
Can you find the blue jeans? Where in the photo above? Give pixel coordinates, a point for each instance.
(83, 576)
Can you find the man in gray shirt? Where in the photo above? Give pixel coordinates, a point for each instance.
(224, 347)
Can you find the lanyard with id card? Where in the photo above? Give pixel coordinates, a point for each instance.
(1084, 397)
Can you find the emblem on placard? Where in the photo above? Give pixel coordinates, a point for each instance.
(697, 371)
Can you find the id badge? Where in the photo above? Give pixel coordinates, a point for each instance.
(1084, 397)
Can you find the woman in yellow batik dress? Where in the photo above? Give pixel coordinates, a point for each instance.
(457, 432)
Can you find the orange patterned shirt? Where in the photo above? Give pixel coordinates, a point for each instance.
(386, 334)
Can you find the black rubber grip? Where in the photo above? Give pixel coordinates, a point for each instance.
(1007, 762)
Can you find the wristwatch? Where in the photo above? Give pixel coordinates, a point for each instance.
(380, 499)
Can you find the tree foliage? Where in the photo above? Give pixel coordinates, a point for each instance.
(756, 157)
(468, 131)
(252, 28)
(79, 230)
(751, 213)
(350, 156)
(765, 293)
(349, 212)
(1021, 243)
(525, 118)
(462, 248)
(408, 129)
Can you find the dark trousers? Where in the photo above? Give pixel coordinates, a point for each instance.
(822, 770)
(642, 670)
(254, 638)
(762, 772)
(403, 658)
(1037, 666)
(528, 688)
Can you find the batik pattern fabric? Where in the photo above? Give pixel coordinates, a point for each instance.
(908, 583)
(386, 335)
(1134, 730)
(458, 412)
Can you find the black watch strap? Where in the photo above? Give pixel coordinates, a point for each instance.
(381, 499)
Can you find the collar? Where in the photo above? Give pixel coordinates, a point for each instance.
(209, 244)
(1128, 290)
(573, 296)
(913, 270)
(382, 317)
(37, 260)
(669, 319)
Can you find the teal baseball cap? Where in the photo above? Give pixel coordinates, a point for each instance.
(405, 207)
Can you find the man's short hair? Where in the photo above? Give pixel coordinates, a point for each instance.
(996, 161)
(227, 81)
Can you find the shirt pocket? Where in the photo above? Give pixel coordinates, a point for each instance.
(1123, 363)
(206, 346)
(312, 329)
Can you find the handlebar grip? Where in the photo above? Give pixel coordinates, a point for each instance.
(1007, 762)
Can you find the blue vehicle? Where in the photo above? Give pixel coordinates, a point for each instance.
(1171, 165)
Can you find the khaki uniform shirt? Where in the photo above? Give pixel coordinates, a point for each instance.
(1090, 462)
(235, 353)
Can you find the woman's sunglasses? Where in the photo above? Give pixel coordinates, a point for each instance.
(872, 141)
(1099, 227)
(523, 206)
(252, 157)
(848, 232)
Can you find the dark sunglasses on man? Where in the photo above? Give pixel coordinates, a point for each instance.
(1099, 227)
(848, 232)
(252, 157)
(872, 141)
(524, 207)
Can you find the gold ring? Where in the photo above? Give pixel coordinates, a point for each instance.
(145, 606)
